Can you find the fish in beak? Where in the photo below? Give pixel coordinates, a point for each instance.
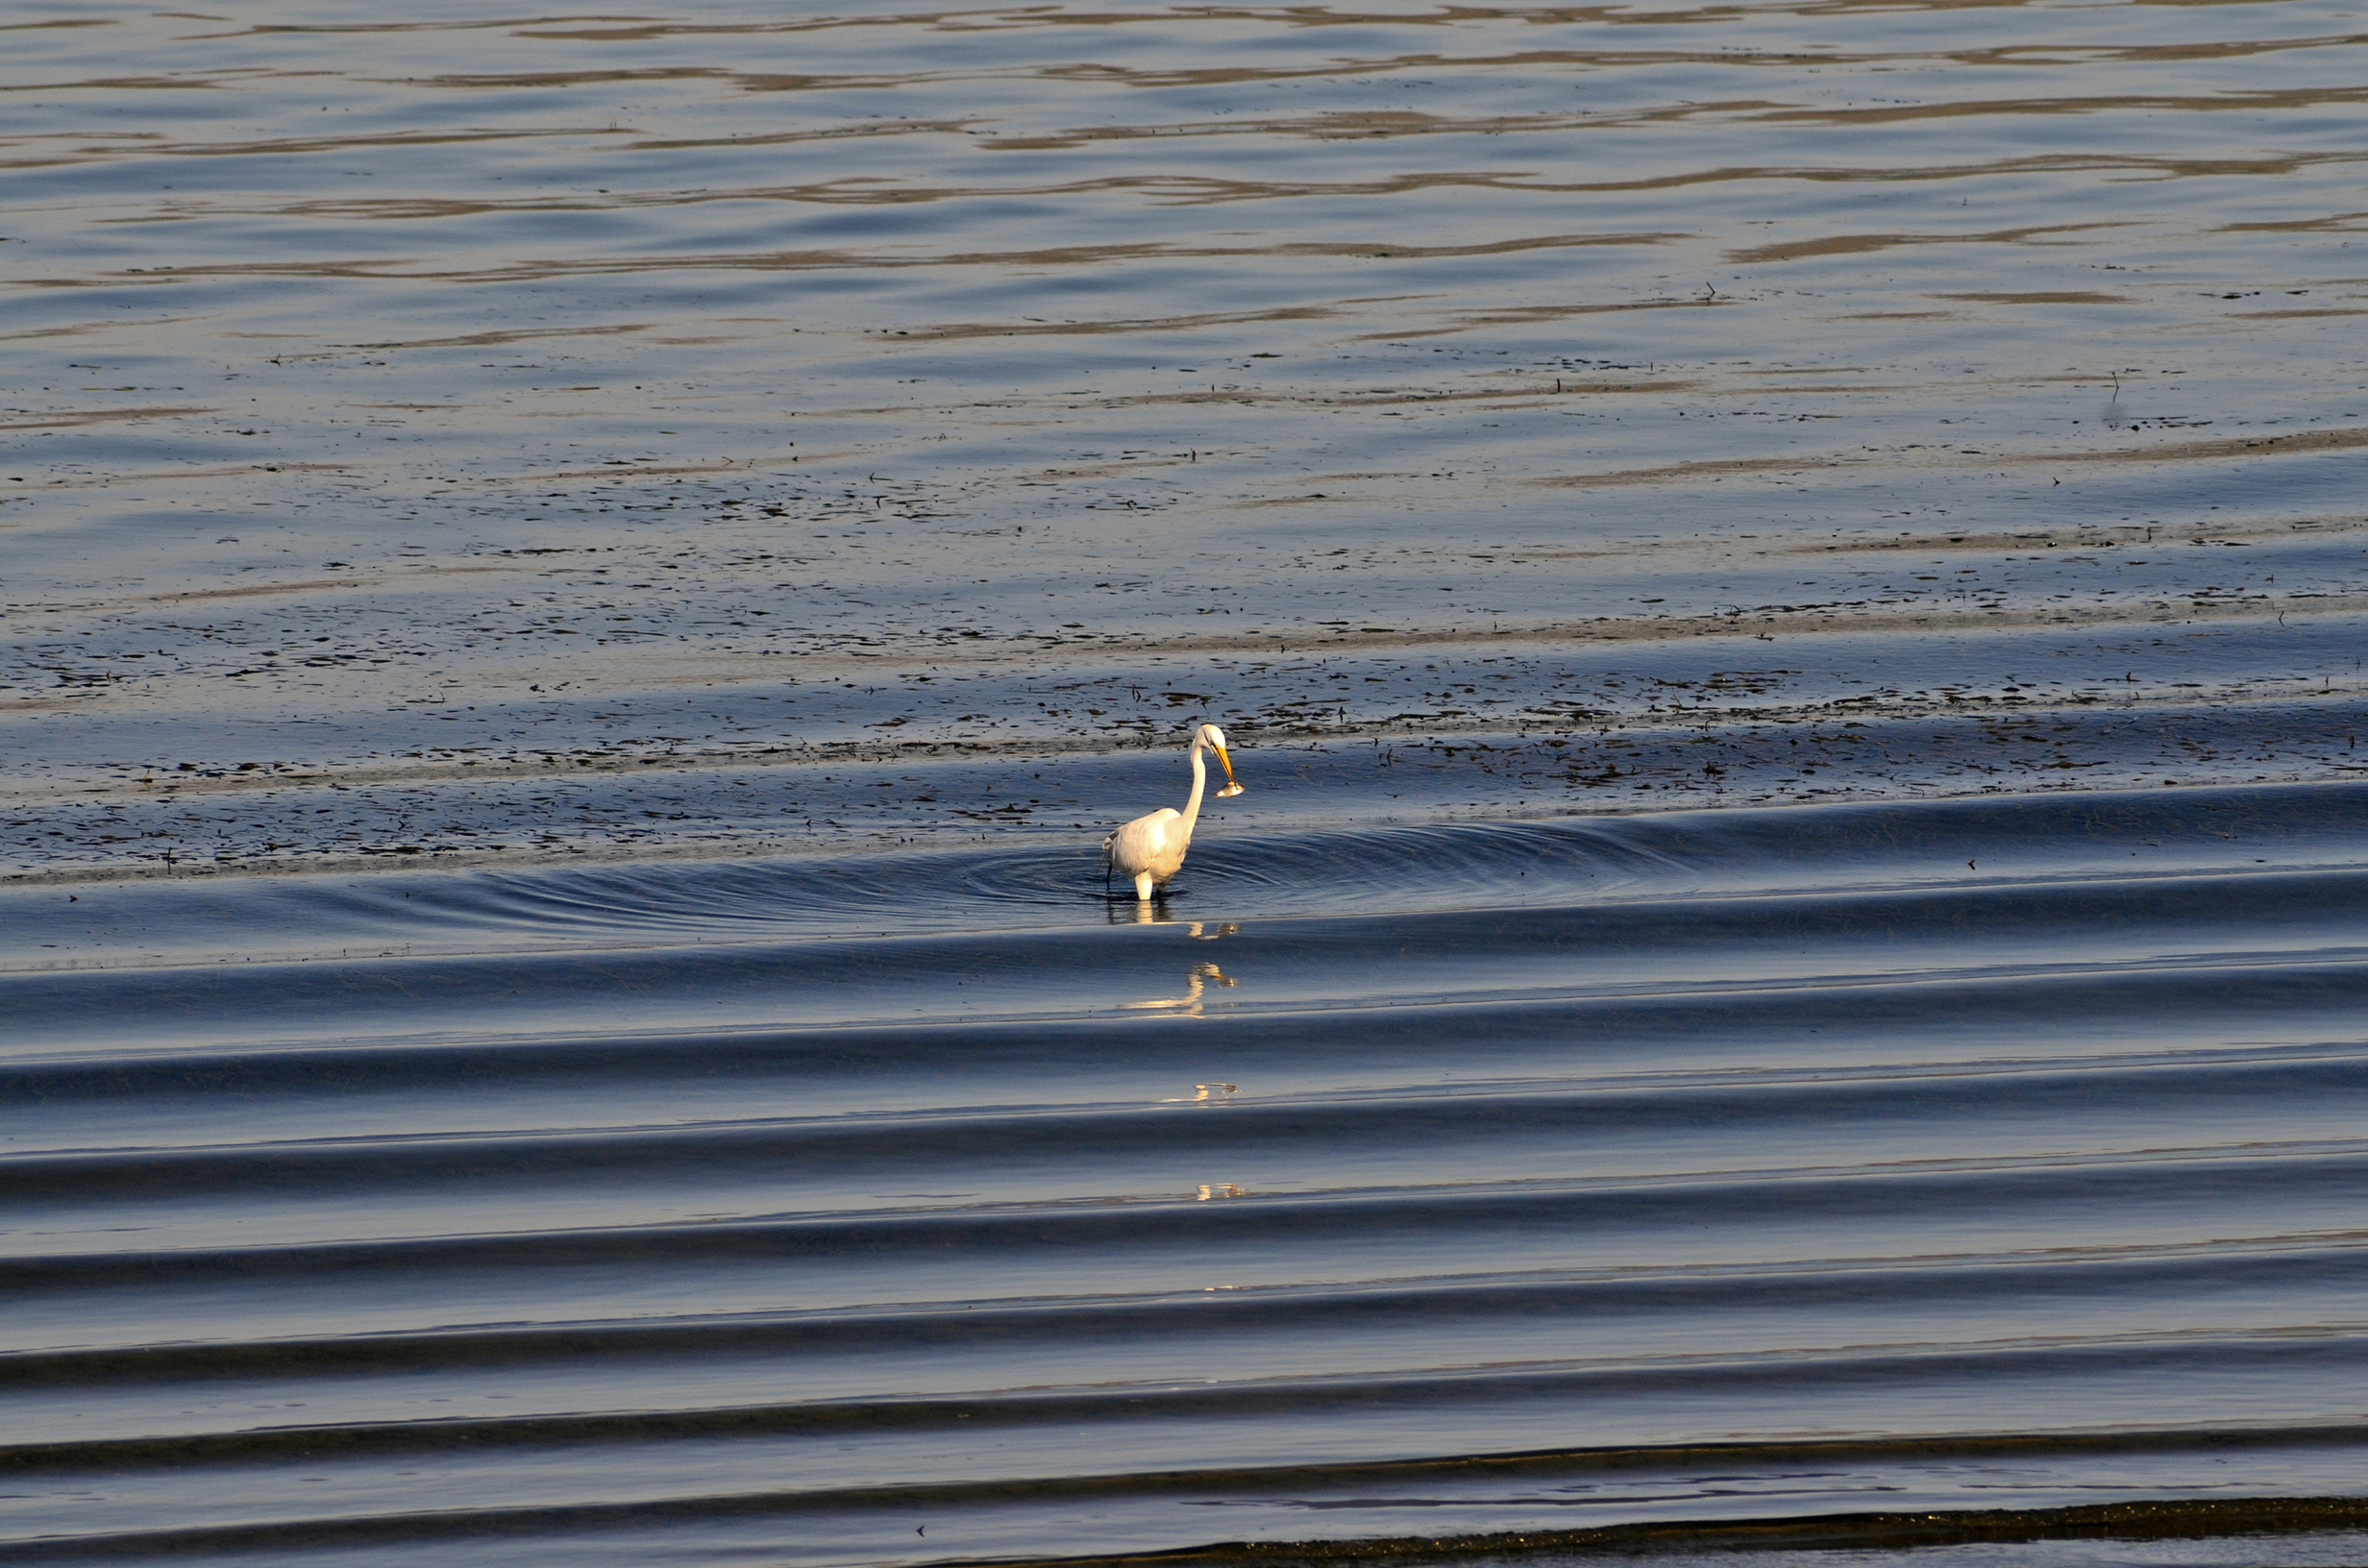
(1232, 786)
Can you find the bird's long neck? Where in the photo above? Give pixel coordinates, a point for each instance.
(1200, 779)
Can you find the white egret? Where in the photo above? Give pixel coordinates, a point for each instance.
(1150, 849)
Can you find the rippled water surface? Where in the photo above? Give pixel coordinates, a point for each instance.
(577, 592)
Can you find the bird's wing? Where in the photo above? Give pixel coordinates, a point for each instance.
(1133, 845)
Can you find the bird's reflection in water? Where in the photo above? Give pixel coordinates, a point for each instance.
(1143, 912)
(1195, 981)
(1154, 911)
(1198, 978)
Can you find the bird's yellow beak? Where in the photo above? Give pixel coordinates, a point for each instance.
(1232, 787)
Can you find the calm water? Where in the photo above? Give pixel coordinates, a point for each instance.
(577, 590)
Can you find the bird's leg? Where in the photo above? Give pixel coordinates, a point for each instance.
(1142, 886)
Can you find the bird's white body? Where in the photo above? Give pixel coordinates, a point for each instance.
(1150, 849)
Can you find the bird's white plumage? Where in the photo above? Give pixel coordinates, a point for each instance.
(1150, 849)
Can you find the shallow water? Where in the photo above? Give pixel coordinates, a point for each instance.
(576, 594)
(1742, 1163)
(487, 438)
